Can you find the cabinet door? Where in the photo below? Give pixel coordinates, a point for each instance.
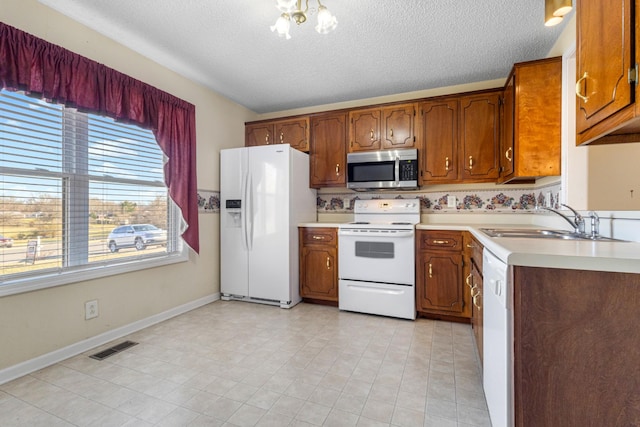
(258, 134)
(476, 306)
(318, 272)
(398, 127)
(439, 281)
(439, 135)
(479, 137)
(327, 152)
(364, 130)
(294, 133)
(507, 139)
(605, 50)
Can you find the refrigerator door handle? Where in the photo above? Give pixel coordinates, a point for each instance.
(243, 212)
(249, 212)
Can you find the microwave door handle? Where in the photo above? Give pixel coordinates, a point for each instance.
(397, 170)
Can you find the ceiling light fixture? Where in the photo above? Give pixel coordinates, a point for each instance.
(293, 9)
(554, 11)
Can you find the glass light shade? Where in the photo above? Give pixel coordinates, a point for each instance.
(282, 26)
(326, 21)
(554, 10)
(285, 5)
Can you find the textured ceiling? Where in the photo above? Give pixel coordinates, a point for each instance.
(379, 48)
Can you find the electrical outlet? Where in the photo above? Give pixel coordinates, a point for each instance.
(91, 309)
(451, 201)
(547, 199)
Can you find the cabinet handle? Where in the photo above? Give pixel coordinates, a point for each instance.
(430, 271)
(467, 281)
(372, 134)
(470, 246)
(440, 242)
(579, 94)
(328, 263)
(266, 138)
(507, 154)
(474, 288)
(318, 237)
(337, 169)
(470, 162)
(446, 163)
(281, 138)
(391, 133)
(474, 301)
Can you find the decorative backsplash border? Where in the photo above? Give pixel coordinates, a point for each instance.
(467, 201)
(516, 200)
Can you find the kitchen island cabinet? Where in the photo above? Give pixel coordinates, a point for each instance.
(440, 291)
(576, 347)
(319, 264)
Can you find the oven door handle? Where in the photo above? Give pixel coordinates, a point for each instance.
(391, 235)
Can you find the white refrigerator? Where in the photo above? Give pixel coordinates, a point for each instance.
(264, 195)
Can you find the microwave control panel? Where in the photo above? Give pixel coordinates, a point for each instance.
(408, 170)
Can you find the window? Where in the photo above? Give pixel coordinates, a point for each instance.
(80, 194)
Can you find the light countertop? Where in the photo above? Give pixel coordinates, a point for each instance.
(552, 253)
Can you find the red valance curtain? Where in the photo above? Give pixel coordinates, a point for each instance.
(58, 75)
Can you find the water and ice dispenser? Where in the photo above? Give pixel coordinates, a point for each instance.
(234, 210)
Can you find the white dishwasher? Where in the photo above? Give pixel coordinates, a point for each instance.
(497, 373)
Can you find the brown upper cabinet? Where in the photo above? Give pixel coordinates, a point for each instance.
(607, 76)
(479, 137)
(439, 134)
(531, 119)
(460, 138)
(294, 132)
(328, 150)
(382, 128)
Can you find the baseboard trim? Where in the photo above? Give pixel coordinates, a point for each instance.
(40, 362)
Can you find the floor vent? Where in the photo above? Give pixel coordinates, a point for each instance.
(113, 350)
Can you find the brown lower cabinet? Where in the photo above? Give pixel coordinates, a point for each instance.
(473, 279)
(319, 264)
(576, 347)
(440, 290)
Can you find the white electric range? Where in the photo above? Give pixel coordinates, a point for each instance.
(376, 258)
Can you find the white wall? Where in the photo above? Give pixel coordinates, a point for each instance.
(40, 322)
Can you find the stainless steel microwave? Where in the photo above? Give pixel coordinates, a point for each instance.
(388, 169)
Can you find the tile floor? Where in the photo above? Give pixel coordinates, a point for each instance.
(243, 364)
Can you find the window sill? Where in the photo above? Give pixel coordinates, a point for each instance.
(53, 279)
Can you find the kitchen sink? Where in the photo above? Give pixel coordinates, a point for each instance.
(538, 233)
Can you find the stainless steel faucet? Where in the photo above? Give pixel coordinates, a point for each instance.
(577, 223)
(595, 224)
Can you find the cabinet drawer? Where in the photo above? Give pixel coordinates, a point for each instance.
(319, 235)
(440, 240)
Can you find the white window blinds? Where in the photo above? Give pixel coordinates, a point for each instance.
(68, 181)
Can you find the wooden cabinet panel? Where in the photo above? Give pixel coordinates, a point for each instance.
(364, 130)
(440, 288)
(258, 134)
(327, 152)
(293, 132)
(398, 127)
(479, 137)
(440, 276)
(318, 264)
(530, 143)
(440, 240)
(575, 347)
(439, 136)
(382, 128)
(604, 53)
(473, 281)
